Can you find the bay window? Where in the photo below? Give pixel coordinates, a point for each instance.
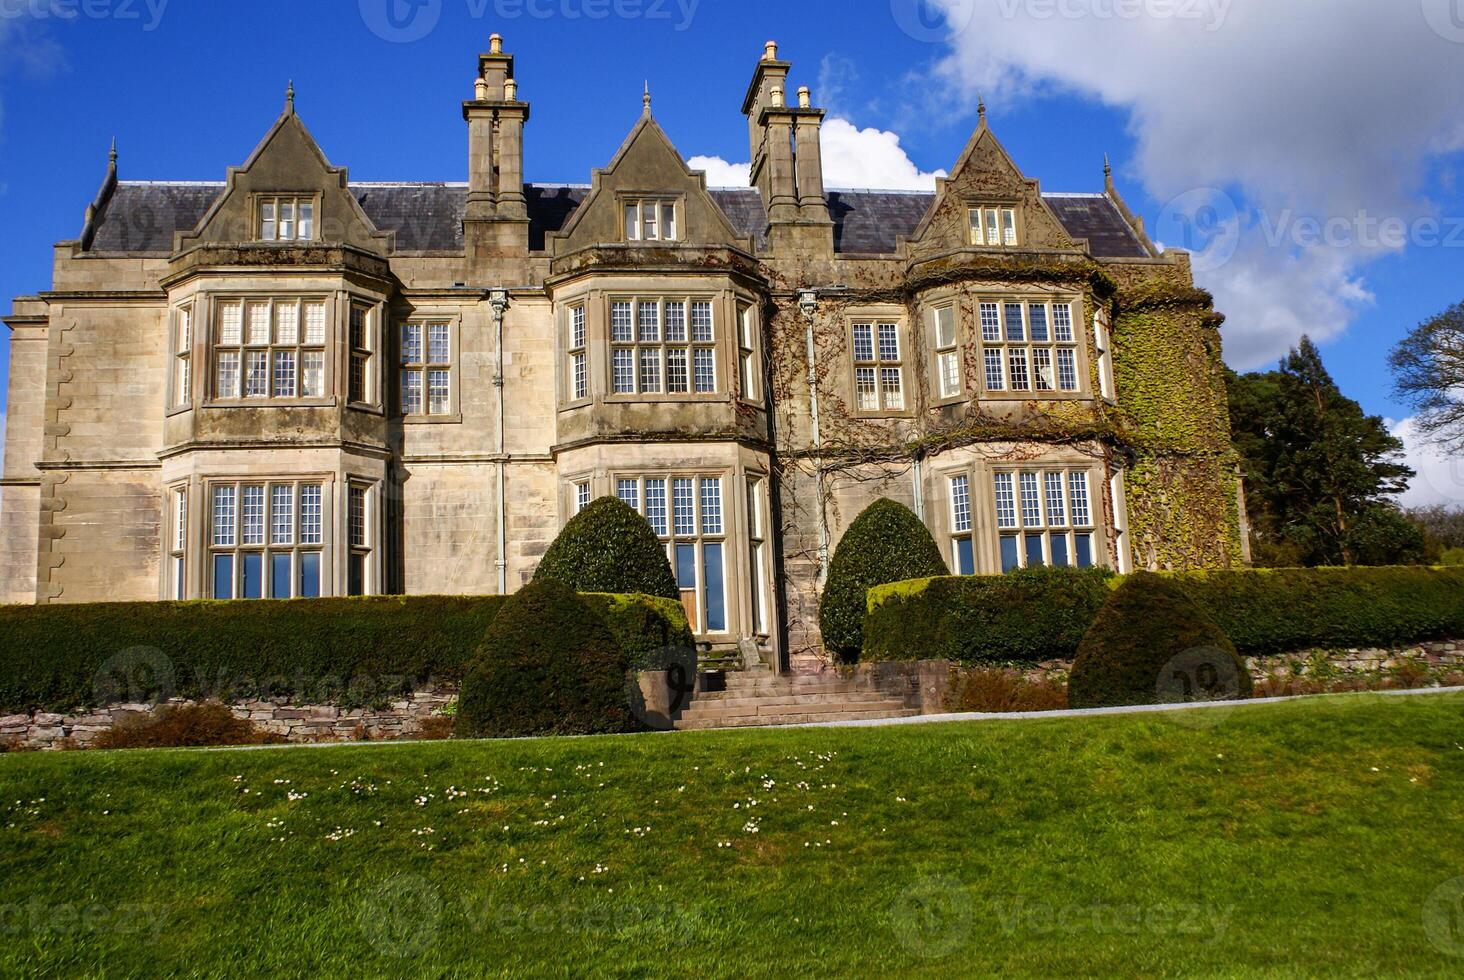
(269, 349)
(1029, 347)
(266, 539)
(686, 513)
(662, 346)
(1044, 517)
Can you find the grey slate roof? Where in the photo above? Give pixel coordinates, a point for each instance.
(142, 217)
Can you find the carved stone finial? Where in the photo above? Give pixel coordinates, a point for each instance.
(981, 106)
(290, 97)
(1107, 167)
(112, 156)
(646, 99)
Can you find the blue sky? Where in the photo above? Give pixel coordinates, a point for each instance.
(1277, 114)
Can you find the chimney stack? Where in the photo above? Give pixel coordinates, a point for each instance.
(497, 219)
(787, 155)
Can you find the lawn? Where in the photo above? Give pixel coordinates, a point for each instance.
(1301, 838)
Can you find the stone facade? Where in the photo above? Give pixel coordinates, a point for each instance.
(288, 384)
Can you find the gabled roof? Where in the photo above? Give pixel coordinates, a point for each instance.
(142, 216)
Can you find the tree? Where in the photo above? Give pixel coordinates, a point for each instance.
(608, 547)
(1428, 374)
(1315, 463)
(887, 543)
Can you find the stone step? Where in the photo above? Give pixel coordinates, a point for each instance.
(727, 699)
(758, 710)
(775, 686)
(709, 724)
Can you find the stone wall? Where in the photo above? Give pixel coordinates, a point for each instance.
(301, 724)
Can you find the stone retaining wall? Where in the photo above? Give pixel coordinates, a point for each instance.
(399, 719)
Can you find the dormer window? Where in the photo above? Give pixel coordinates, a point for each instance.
(994, 227)
(286, 219)
(650, 220)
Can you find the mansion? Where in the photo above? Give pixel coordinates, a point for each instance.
(286, 384)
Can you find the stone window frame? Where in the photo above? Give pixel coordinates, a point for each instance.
(750, 360)
(425, 320)
(578, 387)
(691, 346)
(1054, 348)
(940, 351)
(1103, 346)
(674, 204)
(364, 354)
(216, 302)
(182, 334)
(177, 536)
(1012, 235)
(875, 320)
(760, 554)
(362, 526)
(326, 548)
(278, 199)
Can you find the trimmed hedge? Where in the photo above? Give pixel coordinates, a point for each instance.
(644, 626)
(1270, 611)
(1152, 644)
(887, 543)
(608, 547)
(1041, 614)
(321, 651)
(548, 666)
(1026, 617)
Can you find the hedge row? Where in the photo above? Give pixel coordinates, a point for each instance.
(321, 651)
(1042, 614)
(1025, 617)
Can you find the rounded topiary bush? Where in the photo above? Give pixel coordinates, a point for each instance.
(547, 666)
(608, 547)
(1152, 644)
(887, 543)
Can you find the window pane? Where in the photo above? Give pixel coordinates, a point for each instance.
(993, 237)
(668, 222)
(866, 389)
(1056, 501)
(360, 337)
(650, 370)
(995, 376)
(1042, 369)
(411, 343)
(180, 578)
(620, 323)
(1085, 550)
(256, 384)
(439, 392)
(714, 581)
(581, 376)
(267, 221)
(358, 377)
(1037, 320)
(251, 575)
(629, 492)
(257, 319)
(1035, 558)
(357, 513)
(677, 379)
(965, 557)
(224, 526)
(228, 374)
(315, 323)
(287, 220)
(945, 327)
(1009, 227)
(253, 510)
(1018, 361)
(1062, 322)
(990, 322)
(412, 392)
(684, 500)
(656, 506)
(310, 529)
(356, 575)
(675, 322)
(961, 503)
(950, 374)
(711, 502)
(650, 322)
(284, 374)
(312, 374)
(701, 322)
(649, 230)
(632, 222)
(1010, 562)
(705, 366)
(1016, 330)
(307, 220)
(223, 577)
(889, 342)
(1082, 513)
(577, 327)
(1060, 551)
(1031, 501)
(1006, 501)
(310, 575)
(287, 323)
(624, 370)
(977, 236)
(892, 385)
(282, 515)
(279, 576)
(686, 567)
(863, 343)
(1067, 370)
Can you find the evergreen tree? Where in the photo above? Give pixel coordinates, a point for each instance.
(1315, 465)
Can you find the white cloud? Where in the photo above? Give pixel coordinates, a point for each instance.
(1323, 108)
(1440, 478)
(852, 157)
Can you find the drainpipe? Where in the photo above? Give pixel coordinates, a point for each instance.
(919, 477)
(808, 303)
(498, 301)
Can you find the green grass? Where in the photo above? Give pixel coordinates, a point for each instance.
(1300, 838)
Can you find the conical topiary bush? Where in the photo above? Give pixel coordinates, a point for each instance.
(887, 543)
(1152, 644)
(547, 666)
(608, 547)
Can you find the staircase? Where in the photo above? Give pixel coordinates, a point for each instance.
(755, 699)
